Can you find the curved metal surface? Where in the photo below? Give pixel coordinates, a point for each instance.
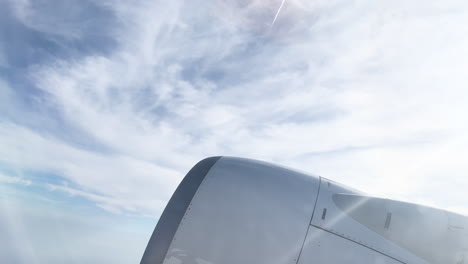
(246, 212)
(418, 229)
(175, 210)
(336, 221)
(323, 247)
(232, 210)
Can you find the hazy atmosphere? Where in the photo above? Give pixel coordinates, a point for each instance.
(105, 106)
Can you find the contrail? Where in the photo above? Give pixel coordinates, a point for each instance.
(277, 13)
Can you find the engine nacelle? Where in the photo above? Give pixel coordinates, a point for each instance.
(239, 211)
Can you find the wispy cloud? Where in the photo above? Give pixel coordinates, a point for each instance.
(180, 86)
(14, 180)
(36, 231)
(120, 99)
(124, 183)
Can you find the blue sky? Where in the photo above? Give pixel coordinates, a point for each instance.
(104, 106)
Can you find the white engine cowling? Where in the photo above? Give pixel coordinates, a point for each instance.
(239, 211)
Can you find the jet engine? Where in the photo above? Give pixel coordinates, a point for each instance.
(239, 211)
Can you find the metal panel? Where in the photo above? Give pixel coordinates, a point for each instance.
(174, 211)
(338, 221)
(418, 229)
(322, 247)
(246, 212)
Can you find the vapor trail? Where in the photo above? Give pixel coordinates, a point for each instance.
(277, 13)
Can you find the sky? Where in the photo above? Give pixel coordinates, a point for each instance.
(106, 105)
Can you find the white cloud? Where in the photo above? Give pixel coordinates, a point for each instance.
(126, 184)
(37, 231)
(369, 94)
(14, 180)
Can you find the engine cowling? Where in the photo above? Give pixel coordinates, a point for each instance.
(233, 210)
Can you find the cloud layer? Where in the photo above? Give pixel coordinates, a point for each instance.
(114, 102)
